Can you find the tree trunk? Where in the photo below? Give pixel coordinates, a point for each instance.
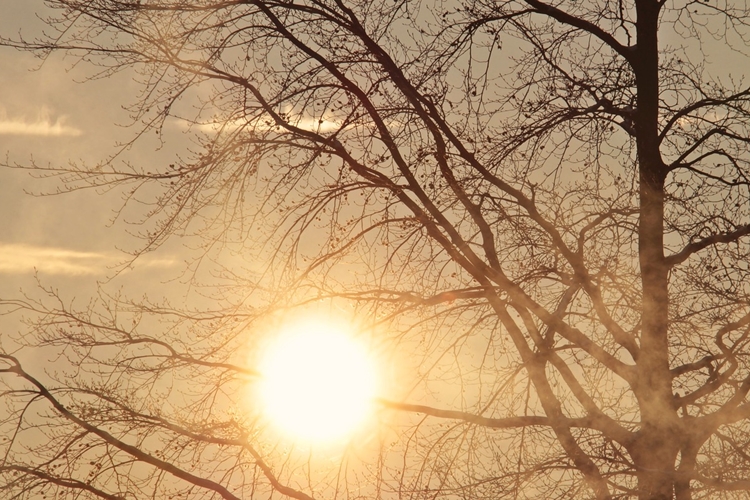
(654, 454)
(687, 466)
(657, 446)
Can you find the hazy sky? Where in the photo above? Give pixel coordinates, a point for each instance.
(50, 114)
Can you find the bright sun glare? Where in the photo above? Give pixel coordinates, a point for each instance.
(318, 382)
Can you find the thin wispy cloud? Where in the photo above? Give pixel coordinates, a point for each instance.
(301, 121)
(42, 125)
(304, 123)
(24, 259)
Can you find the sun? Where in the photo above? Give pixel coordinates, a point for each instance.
(317, 382)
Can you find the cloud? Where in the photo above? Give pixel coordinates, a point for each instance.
(304, 123)
(301, 120)
(17, 259)
(41, 126)
(23, 259)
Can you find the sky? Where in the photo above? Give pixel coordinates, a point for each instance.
(50, 115)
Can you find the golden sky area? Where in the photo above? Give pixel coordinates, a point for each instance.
(50, 115)
(371, 285)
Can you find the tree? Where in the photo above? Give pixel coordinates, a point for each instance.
(546, 201)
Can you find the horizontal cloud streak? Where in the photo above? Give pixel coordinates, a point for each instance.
(310, 124)
(20, 259)
(41, 126)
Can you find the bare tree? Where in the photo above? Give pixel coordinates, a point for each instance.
(546, 202)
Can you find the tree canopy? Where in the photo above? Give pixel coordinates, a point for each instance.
(538, 209)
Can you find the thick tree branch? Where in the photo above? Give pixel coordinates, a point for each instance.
(63, 482)
(627, 52)
(134, 451)
(697, 246)
(702, 103)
